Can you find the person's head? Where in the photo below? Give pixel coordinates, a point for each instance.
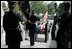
(11, 5)
(63, 8)
(32, 12)
(25, 7)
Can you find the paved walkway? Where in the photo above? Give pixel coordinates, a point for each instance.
(26, 43)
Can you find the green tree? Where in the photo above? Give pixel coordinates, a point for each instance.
(5, 8)
(38, 6)
(16, 9)
(52, 8)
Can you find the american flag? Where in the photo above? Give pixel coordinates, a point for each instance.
(46, 16)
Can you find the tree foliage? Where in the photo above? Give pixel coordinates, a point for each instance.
(38, 6)
(5, 8)
(52, 8)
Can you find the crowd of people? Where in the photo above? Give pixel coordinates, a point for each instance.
(13, 31)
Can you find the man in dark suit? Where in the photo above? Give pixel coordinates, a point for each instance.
(32, 27)
(54, 27)
(11, 27)
(64, 32)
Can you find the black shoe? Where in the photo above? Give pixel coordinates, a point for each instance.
(32, 45)
(45, 41)
(53, 38)
(26, 39)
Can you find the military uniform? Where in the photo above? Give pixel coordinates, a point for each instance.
(46, 32)
(32, 28)
(64, 32)
(12, 29)
(54, 28)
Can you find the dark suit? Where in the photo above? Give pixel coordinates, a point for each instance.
(54, 28)
(64, 32)
(32, 28)
(11, 27)
(46, 32)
